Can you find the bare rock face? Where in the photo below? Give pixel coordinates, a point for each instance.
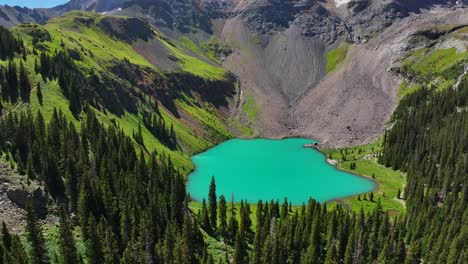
(11, 16)
(351, 105)
(20, 198)
(90, 5)
(14, 195)
(365, 17)
(182, 15)
(311, 17)
(280, 60)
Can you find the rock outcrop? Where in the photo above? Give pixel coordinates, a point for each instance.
(14, 195)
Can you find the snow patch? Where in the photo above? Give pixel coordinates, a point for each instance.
(341, 2)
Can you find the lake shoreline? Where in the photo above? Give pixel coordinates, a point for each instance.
(333, 182)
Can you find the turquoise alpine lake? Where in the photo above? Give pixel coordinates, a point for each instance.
(264, 169)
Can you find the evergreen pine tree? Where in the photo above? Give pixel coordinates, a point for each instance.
(37, 67)
(4, 85)
(110, 248)
(156, 106)
(240, 250)
(138, 136)
(16, 254)
(39, 93)
(4, 256)
(24, 85)
(173, 137)
(93, 243)
(35, 237)
(457, 247)
(414, 253)
(313, 253)
(233, 225)
(213, 204)
(12, 81)
(205, 218)
(84, 207)
(6, 237)
(349, 251)
(222, 216)
(68, 252)
(332, 255)
(257, 250)
(75, 100)
(189, 247)
(30, 166)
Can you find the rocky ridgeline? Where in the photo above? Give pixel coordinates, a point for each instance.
(318, 18)
(365, 17)
(325, 21)
(312, 17)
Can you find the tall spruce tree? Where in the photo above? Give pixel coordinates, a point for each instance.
(75, 100)
(17, 252)
(213, 204)
(222, 216)
(68, 252)
(39, 93)
(6, 237)
(205, 217)
(24, 85)
(313, 253)
(240, 250)
(93, 242)
(233, 224)
(12, 81)
(38, 254)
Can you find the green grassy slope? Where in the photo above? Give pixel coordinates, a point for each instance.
(194, 65)
(388, 180)
(438, 62)
(94, 42)
(337, 56)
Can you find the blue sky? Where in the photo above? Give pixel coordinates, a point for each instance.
(33, 3)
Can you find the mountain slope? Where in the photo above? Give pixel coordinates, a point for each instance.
(124, 87)
(280, 57)
(361, 94)
(280, 53)
(11, 16)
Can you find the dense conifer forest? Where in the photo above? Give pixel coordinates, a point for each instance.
(127, 205)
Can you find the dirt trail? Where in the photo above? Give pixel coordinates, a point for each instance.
(10, 110)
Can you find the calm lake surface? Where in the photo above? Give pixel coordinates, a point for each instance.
(271, 169)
